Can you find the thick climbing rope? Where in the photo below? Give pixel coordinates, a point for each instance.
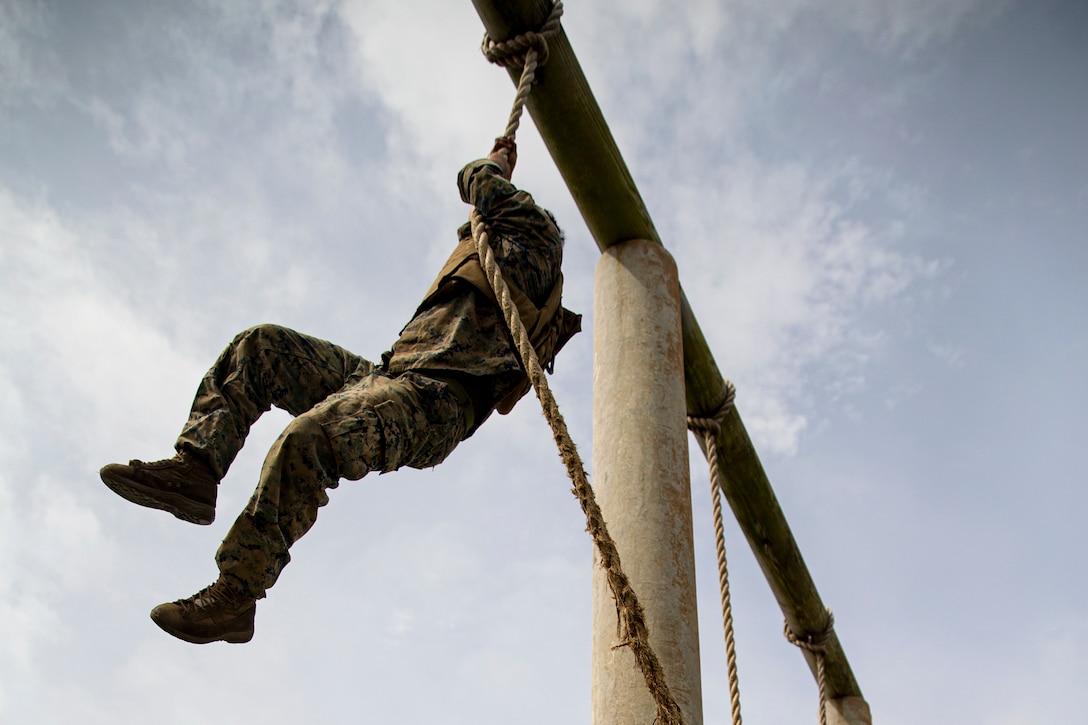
(709, 429)
(817, 645)
(530, 50)
(633, 630)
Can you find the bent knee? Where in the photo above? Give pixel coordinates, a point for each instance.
(305, 431)
(305, 446)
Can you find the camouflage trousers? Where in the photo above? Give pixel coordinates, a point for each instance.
(350, 418)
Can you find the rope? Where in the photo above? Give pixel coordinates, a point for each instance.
(529, 51)
(710, 429)
(632, 620)
(817, 645)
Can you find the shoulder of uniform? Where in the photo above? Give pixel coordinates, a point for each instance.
(471, 169)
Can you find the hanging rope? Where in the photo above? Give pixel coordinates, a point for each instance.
(709, 429)
(529, 51)
(817, 645)
(632, 620)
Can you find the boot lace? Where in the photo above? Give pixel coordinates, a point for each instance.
(214, 593)
(177, 460)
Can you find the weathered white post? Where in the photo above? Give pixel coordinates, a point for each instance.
(640, 471)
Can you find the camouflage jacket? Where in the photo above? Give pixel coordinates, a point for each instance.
(458, 331)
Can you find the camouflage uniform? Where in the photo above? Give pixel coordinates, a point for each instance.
(452, 366)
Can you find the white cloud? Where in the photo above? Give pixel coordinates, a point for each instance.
(65, 539)
(77, 361)
(908, 26)
(14, 407)
(694, 82)
(25, 620)
(952, 354)
(70, 332)
(28, 67)
(448, 101)
(51, 546)
(153, 129)
(792, 272)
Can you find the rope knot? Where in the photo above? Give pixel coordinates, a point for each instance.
(814, 643)
(515, 51)
(817, 645)
(712, 425)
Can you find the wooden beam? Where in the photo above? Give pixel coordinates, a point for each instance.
(574, 130)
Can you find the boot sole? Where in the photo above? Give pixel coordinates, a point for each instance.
(181, 507)
(228, 637)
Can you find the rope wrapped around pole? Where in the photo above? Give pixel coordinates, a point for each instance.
(817, 645)
(528, 50)
(709, 429)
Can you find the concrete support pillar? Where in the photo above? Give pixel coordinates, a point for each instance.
(641, 478)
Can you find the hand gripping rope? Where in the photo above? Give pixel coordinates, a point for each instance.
(530, 50)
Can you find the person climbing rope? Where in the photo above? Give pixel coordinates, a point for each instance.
(452, 366)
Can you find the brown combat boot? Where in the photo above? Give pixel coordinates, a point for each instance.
(216, 612)
(183, 485)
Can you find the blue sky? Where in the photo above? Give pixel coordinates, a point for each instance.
(879, 214)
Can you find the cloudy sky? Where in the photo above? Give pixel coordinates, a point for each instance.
(879, 212)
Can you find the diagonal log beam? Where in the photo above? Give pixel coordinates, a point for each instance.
(574, 130)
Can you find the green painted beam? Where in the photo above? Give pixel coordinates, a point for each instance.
(574, 130)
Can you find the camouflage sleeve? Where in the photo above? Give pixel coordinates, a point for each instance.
(481, 184)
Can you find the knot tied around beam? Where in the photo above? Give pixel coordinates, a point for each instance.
(712, 425)
(814, 643)
(514, 52)
(709, 429)
(527, 50)
(817, 645)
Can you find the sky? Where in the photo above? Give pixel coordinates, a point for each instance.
(879, 215)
